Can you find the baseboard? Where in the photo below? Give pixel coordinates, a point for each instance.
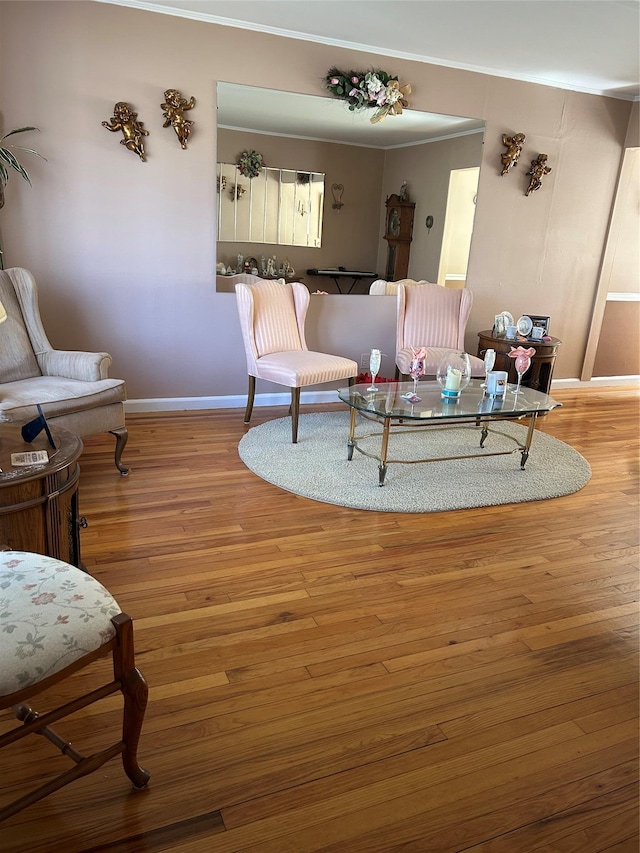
(234, 401)
(596, 382)
(239, 401)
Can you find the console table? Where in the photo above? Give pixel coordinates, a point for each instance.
(39, 503)
(341, 274)
(539, 374)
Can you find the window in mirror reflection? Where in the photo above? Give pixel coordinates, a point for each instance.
(280, 206)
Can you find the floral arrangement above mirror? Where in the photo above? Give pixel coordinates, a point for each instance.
(369, 90)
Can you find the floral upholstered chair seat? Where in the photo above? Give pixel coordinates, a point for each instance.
(51, 614)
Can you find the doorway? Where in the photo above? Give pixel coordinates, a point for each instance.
(458, 227)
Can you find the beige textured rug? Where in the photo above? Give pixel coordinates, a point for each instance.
(317, 466)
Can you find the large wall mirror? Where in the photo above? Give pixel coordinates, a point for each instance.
(335, 213)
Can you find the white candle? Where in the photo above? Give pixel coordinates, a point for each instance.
(453, 379)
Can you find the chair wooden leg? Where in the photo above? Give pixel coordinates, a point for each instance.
(130, 682)
(135, 692)
(295, 411)
(250, 397)
(122, 436)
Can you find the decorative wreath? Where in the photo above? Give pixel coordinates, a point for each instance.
(250, 164)
(369, 89)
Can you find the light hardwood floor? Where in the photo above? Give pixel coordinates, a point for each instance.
(324, 679)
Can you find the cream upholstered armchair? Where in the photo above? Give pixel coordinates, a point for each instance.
(72, 387)
(272, 317)
(434, 317)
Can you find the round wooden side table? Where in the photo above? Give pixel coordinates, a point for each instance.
(539, 374)
(39, 503)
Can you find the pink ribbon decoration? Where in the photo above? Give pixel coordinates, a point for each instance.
(419, 356)
(522, 357)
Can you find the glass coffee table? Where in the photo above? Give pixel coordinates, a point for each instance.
(387, 407)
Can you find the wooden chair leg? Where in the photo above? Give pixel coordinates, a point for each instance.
(135, 692)
(295, 411)
(130, 682)
(122, 436)
(250, 397)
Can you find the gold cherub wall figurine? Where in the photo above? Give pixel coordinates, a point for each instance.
(126, 120)
(514, 150)
(174, 108)
(537, 171)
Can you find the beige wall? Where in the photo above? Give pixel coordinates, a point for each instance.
(124, 251)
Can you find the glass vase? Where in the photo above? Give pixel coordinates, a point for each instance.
(454, 374)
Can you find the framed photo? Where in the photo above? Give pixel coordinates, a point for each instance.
(541, 322)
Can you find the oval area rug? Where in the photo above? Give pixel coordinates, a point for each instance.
(317, 466)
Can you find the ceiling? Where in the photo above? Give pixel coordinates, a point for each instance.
(585, 45)
(329, 119)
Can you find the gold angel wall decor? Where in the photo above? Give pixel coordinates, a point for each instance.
(174, 108)
(537, 171)
(133, 131)
(514, 150)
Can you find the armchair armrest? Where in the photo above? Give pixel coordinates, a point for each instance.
(73, 364)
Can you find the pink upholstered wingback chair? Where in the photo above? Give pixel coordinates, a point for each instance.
(272, 317)
(434, 317)
(380, 287)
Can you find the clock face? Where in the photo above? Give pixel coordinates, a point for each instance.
(393, 226)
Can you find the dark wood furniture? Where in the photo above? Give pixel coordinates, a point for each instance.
(398, 233)
(124, 678)
(539, 374)
(342, 274)
(39, 504)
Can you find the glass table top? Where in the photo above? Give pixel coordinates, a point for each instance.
(388, 401)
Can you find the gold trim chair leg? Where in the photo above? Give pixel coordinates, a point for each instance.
(250, 397)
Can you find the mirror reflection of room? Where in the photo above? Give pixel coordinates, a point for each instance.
(304, 134)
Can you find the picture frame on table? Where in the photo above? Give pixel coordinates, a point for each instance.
(540, 322)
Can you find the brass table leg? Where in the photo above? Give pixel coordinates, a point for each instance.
(382, 468)
(352, 431)
(527, 444)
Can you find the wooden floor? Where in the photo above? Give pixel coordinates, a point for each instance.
(327, 679)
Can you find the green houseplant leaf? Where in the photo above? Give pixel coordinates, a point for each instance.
(9, 162)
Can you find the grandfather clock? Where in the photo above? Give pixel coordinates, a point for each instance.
(398, 234)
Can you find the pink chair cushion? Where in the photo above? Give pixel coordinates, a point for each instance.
(304, 367)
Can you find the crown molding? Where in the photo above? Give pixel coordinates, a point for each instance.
(176, 11)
